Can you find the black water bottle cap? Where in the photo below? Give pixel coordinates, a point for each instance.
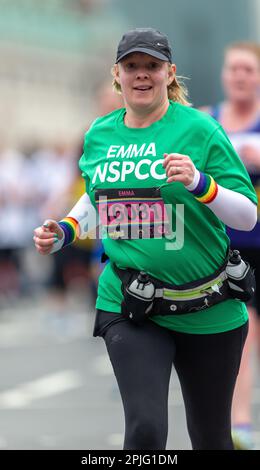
(143, 277)
(235, 257)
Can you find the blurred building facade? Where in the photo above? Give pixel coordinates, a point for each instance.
(53, 54)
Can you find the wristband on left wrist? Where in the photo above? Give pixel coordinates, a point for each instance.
(206, 188)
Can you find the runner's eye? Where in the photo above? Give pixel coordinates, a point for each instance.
(130, 66)
(154, 65)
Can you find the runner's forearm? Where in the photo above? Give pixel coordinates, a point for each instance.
(231, 207)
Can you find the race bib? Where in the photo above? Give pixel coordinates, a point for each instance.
(132, 213)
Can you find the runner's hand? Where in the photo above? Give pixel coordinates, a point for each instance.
(179, 167)
(46, 235)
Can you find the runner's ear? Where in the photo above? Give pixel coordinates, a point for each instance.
(115, 72)
(171, 73)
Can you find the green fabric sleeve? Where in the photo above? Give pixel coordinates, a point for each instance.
(226, 167)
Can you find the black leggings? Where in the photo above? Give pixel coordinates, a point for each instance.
(207, 367)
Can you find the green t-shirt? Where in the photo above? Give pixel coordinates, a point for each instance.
(116, 156)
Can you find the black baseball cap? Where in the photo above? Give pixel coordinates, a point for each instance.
(147, 40)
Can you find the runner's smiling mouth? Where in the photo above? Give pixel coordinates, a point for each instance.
(143, 88)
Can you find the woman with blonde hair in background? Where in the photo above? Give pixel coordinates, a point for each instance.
(239, 114)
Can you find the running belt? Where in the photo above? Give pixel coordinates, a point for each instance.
(187, 298)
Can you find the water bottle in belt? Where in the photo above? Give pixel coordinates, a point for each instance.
(240, 276)
(138, 299)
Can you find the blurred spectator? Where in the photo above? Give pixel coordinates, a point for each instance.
(239, 115)
(16, 200)
(53, 186)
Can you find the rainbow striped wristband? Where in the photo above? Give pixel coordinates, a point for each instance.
(70, 227)
(206, 189)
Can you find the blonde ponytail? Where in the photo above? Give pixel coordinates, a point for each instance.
(178, 92)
